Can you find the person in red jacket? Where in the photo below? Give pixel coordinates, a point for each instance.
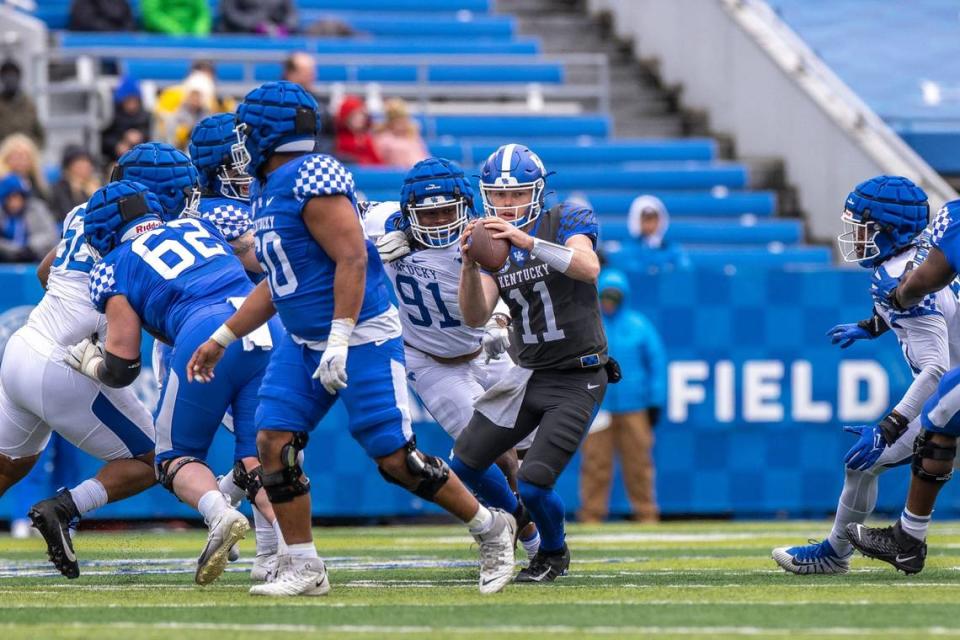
(354, 141)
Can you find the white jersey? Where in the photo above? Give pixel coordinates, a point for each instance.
(65, 314)
(929, 333)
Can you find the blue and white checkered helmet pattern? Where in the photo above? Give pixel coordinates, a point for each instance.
(217, 151)
(163, 169)
(881, 217)
(436, 186)
(513, 169)
(277, 117)
(117, 212)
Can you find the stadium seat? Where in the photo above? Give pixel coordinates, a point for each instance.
(712, 231)
(690, 203)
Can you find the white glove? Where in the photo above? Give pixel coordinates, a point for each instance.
(496, 340)
(85, 357)
(332, 370)
(393, 246)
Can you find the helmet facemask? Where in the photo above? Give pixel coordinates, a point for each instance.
(518, 214)
(858, 240)
(438, 235)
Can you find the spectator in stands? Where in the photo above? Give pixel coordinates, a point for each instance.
(354, 142)
(19, 155)
(629, 411)
(27, 232)
(299, 67)
(101, 15)
(18, 114)
(176, 17)
(199, 101)
(78, 180)
(646, 250)
(397, 138)
(270, 17)
(131, 122)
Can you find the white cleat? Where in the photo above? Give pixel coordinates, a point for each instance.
(229, 528)
(814, 558)
(296, 576)
(496, 552)
(264, 567)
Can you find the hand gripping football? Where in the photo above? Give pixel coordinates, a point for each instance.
(487, 251)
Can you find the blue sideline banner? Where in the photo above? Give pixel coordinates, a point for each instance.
(753, 426)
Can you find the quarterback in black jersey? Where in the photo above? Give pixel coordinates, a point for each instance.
(549, 283)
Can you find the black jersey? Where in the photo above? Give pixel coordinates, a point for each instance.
(556, 319)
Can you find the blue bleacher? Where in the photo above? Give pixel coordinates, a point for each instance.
(712, 231)
(693, 203)
(518, 127)
(560, 155)
(755, 257)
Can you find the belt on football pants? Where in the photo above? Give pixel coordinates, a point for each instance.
(467, 357)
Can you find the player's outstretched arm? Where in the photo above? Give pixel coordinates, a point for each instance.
(934, 274)
(256, 309)
(478, 292)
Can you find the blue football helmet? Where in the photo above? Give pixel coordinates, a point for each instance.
(163, 169)
(511, 172)
(117, 212)
(882, 216)
(218, 153)
(277, 117)
(436, 186)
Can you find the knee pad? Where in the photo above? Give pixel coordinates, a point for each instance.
(249, 481)
(431, 472)
(537, 473)
(285, 485)
(167, 470)
(932, 462)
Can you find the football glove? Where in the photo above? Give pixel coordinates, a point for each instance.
(332, 370)
(393, 245)
(85, 356)
(496, 339)
(868, 448)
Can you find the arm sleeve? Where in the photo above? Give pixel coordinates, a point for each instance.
(925, 346)
(578, 221)
(103, 285)
(321, 175)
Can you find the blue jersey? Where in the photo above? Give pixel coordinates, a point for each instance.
(169, 274)
(299, 272)
(945, 233)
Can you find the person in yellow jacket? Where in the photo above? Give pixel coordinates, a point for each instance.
(179, 107)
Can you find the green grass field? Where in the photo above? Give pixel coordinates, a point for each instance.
(684, 580)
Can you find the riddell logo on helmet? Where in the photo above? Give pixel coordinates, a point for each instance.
(147, 226)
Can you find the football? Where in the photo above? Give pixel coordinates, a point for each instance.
(487, 251)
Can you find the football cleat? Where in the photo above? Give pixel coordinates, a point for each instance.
(296, 576)
(546, 568)
(226, 530)
(893, 545)
(264, 567)
(816, 557)
(52, 518)
(496, 552)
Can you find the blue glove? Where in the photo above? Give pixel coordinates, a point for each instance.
(868, 448)
(883, 285)
(848, 334)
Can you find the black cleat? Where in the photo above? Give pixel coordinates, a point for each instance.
(52, 518)
(891, 544)
(545, 568)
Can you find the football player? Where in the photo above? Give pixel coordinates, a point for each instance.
(449, 364)
(39, 394)
(903, 545)
(220, 158)
(884, 220)
(549, 284)
(325, 280)
(177, 280)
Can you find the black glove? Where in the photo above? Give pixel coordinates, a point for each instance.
(614, 375)
(654, 414)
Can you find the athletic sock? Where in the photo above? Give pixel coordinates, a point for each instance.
(266, 534)
(546, 507)
(482, 522)
(302, 550)
(490, 485)
(89, 495)
(532, 544)
(229, 488)
(281, 545)
(914, 525)
(211, 505)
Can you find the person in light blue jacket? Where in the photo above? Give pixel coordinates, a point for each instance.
(630, 410)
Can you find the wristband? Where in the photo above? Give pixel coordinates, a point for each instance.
(875, 326)
(340, 330)
(892, 427)
(554, 255)
(223, 336)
